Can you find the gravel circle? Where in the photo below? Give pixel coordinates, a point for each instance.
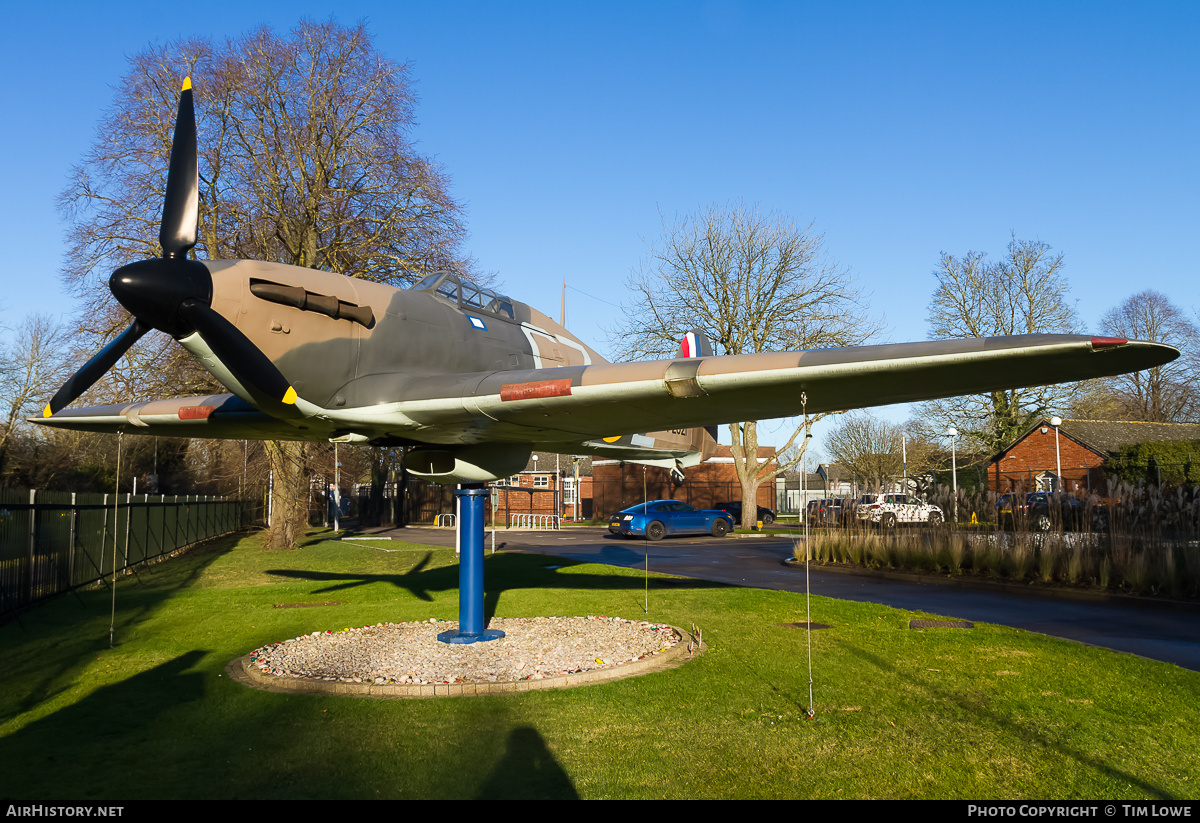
(533, 648)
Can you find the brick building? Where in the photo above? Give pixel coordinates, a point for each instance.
(617, 485)
(1084, 446)
(545, 486)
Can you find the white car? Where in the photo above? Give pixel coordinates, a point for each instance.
(890, 510)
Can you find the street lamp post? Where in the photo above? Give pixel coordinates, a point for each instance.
(953, 433)
(1056, 422)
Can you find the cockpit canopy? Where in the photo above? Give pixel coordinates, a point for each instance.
(466, 294)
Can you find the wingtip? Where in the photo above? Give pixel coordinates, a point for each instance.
(187, 83)
(46, 412)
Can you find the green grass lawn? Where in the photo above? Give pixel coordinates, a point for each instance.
(947, 713)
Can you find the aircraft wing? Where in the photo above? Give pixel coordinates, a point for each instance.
(589, 402)
(210, 416)
(604, 403)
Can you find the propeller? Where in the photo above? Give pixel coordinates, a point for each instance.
(248, 364)
(95, 368)
(174, 293)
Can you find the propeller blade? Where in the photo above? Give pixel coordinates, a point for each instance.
(94, 369)
(245, 361)
(173, 294)
(177, 233)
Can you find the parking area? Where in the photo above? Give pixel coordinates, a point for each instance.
(1153, 629)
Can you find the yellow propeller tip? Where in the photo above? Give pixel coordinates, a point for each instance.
(289, 397)
(46, 411)
(187, 83)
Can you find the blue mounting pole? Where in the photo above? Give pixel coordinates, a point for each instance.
(470, 570)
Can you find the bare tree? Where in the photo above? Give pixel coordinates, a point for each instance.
(1094, 400)
(1024, 293)
(927, 453)
(304, 159)
(869, 448)
(31, 367)
(1163, 394)
(753, 282)
(878, 453)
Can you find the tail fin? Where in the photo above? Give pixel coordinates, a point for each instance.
(696, 344)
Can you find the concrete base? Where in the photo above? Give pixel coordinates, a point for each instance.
(470, 637)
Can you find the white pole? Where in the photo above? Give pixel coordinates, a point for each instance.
(953, 432)
(807, 599)
(112, 620)
(1056, 422)
(337, 493)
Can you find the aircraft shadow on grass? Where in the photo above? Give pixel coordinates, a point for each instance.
(79, 738)
(140, 596)
(506, 572)
(175, 715)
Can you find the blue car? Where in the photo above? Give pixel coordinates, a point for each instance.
(658, 518)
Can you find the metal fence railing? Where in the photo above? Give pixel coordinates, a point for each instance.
(534, 521)
(52, 542)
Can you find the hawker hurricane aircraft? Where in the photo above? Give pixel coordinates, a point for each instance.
(471, 381)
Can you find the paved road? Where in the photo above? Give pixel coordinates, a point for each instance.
(1157, 631)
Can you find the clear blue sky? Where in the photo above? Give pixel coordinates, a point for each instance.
(901, 129)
